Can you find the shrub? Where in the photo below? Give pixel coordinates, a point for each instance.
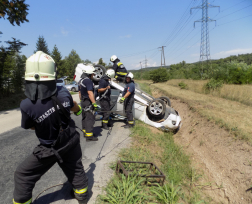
(182, 85)
(159, 75)
(213, 85)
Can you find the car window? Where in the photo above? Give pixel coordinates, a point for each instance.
(59, 81)
(73, 82)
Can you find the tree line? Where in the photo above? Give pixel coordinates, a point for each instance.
(12, 65)
(230, 70)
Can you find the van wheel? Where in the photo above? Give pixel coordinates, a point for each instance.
(166, 100)
(99, 72)
(157, 108)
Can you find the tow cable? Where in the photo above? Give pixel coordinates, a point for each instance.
(98, 158)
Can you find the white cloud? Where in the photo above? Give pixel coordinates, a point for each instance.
(126, 36)
(237, 51)
(64, 32)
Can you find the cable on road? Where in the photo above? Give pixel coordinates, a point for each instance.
(98, 158)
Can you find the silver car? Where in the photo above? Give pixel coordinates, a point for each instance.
(60, 82)
(73, 86)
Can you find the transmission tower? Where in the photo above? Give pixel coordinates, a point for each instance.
(205, 45)
(162, 55)
(145, 62)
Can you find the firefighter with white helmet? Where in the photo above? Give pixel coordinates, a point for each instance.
(88, 104)
(47, 111)
(105, 92)
(128, 99)
(119, 68)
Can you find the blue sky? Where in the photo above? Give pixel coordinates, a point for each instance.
(134, 29)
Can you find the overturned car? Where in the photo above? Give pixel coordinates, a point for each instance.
(156, 112)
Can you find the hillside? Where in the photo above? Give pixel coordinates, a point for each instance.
(212, 135)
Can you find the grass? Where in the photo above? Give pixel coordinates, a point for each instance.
(144, 87)
(234, 116)
(240, 93)
(73, 93)
(11, 102)
(152, 145)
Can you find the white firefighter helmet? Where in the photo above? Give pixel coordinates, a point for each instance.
(40, 67)
(130, 75)
(113, 58)
(89, 69)
(110, 73)
(40, 76)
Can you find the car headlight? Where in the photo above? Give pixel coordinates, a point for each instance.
(173, 122)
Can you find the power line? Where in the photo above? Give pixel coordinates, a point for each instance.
(234, 12)
(234, 20)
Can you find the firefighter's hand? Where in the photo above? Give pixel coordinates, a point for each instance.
(95, 106)
(122, 100)
(79, 112)
(108, 87)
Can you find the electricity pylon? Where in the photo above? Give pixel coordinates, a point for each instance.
(162, 54)
(205, 45)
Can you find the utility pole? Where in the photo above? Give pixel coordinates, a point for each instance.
(205, 45)
(162, 54)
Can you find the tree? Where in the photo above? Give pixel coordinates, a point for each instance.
(87, 61)
(56, 55)
(41, 45)
(16, 10)
(70, 63)
(159, 75)
(8, 64)
(101, 62)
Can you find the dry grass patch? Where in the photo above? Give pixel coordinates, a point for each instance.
(234, 116)
(240, 93)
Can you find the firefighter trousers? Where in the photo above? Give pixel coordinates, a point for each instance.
(88, 118)
(32, 168)
(105, 106)
(128, 105)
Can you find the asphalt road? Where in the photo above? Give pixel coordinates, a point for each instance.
(16, 144)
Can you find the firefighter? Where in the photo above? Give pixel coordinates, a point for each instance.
(120, 70)
(88, 104)
(128, 99)
(47, 111)
(104, 88)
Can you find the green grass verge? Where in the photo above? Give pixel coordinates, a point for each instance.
(159, 148)
(144, 87)
(73, 93)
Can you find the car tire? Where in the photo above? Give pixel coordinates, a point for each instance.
(157, 108)
(73, 89)
(99, 72)
(166, 100)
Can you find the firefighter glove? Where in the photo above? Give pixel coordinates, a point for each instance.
(95, 106)
(79, 112)
(122, 100)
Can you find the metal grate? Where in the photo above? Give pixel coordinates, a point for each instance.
(148, 170)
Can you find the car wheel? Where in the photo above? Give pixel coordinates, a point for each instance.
(157, 108)
(99, 72)
(166, 100)
(73, 89)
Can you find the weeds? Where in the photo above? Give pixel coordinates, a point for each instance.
(212, 85)
(167, 194)
(128, 190)
(182, 85)
(159, 148)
